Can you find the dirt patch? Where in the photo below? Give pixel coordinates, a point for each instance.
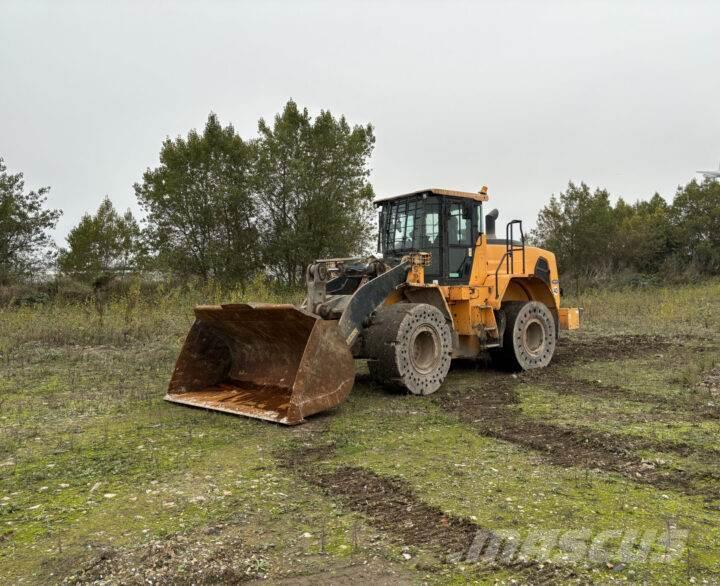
(391, 506)
(182, 559)
(578, 349)
(572, 447)
(493, 411)
(695, 407)
(711, 383)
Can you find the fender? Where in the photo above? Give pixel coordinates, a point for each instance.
(430, 294)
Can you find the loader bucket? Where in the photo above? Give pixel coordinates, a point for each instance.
(274, 362)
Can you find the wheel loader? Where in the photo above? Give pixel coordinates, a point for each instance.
(444, 286)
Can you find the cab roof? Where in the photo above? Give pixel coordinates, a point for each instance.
(479, 196)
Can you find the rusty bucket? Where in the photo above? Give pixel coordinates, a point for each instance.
(274, 362)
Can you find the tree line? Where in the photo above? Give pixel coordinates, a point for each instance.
(591, 237)
(216, 207)
(226, 208)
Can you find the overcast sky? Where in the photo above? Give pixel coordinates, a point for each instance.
(520, 96)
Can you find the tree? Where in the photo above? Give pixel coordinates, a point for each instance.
(643, 240)
(200, 206)
(25, 245)
(579, 227)
(313, 191)
(104, 243)
(696, 224)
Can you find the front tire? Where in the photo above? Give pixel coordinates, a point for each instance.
(410, 345)
(529, 338)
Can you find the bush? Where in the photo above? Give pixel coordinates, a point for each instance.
(67, 290)
(20, 295)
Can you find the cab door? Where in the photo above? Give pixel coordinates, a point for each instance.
(433, 239)
(459, 242)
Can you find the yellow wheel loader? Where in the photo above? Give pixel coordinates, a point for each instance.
(445, 287)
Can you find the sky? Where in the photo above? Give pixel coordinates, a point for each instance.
(520, 96)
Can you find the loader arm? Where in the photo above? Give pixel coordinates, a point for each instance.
(368, 298)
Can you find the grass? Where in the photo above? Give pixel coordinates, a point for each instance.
(692, 309)
(95, 467)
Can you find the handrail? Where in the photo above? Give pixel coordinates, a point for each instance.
(497, 276)
(509, 256)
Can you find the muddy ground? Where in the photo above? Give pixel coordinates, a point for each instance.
(618, 436)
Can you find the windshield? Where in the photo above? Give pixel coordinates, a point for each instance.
(410, 225)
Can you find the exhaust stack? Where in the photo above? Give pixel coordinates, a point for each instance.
(490, 223)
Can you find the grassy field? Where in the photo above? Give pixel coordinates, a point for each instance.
(602, 468)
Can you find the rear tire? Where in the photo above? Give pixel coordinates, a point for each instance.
(529, 338)
(411, 347)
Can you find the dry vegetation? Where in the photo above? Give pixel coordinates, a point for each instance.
(103, 482)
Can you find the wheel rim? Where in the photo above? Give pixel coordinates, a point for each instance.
(534, 337)
(424, 350)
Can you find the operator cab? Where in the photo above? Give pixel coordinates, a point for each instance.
(442, 222)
